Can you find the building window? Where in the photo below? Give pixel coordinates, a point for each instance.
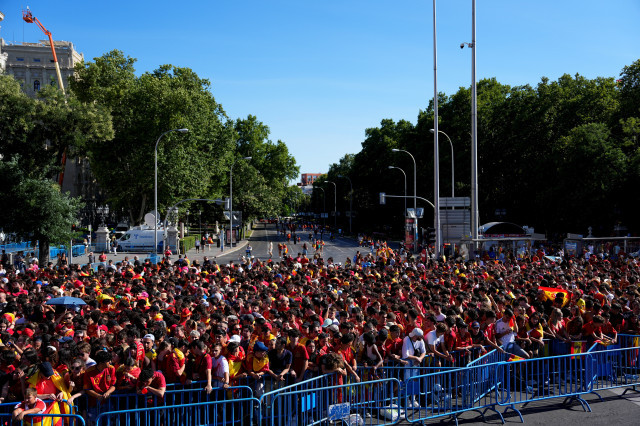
(20, 59)
(36, 59)
(36, 85)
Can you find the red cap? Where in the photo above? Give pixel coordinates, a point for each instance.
(185, 312)
(103, 327)
(28, 332)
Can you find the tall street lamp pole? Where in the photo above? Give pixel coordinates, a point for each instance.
(415, 196)
(324, 201)
(436, 153)
(231, 200)
(350, 199)
(335, 203)
(452, 165)
(405, 188)
(155, 188)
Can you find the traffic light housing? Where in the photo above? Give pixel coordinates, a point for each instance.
(430, 235)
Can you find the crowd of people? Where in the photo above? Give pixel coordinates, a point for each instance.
(147, 326)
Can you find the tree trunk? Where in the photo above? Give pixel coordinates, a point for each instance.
(43, 256)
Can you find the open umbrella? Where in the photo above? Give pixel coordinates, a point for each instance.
(66, 301)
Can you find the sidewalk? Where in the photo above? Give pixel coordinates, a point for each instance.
(191, 254)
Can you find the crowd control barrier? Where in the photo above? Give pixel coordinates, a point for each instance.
(212, 413)
(616, 368)
(366, 403)
(45, 419)
(563, 376)
(270, 404)
(451, 392)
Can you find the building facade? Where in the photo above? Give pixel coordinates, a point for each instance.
(307, 179)
(32, 63)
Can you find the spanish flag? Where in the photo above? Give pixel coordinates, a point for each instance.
(551, 294)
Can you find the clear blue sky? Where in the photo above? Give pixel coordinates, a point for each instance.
(319, 73)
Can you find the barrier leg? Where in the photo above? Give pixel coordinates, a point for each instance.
(513, 408)
(585, 404)
(631, 389)
(493, 408)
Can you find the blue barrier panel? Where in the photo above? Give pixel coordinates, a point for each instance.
(628, 340)
(365, 403)
(564, 376)
(213, 413)
(616, 368)
(491, 357)
(452, 392)
(268, 390)
(192, 396)
(45, 419)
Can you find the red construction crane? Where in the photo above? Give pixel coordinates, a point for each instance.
(28, 17)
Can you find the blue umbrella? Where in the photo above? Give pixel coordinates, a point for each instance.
(66, 301)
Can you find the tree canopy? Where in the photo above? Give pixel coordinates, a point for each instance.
(561, 156)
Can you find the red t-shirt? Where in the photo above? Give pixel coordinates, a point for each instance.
(40, 405)
(202, 364)
(99, 380)
(300, 355)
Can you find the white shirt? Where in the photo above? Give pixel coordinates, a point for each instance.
(501, 327)
(433, 339)
(410, 347)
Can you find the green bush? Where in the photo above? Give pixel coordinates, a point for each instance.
(187, 243)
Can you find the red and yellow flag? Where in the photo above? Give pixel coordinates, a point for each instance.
(551, 293)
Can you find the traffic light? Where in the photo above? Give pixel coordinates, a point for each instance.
(74, 227)
(430, 235)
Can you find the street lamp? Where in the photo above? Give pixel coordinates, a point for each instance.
(452, 166)
(335, 203)
(415, 196)
(187, 221)
(231, 199)
(350, 199)
(103, 211)
(200, 223)
(324, 201)
(155, 186)
(405, 188)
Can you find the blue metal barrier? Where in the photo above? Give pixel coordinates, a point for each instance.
(563, 376)
(199, 395)
(452, 392)
(212, 413)
(44, 419)
(366, 403)
(616, 368)
(267, 395)
(491, 357)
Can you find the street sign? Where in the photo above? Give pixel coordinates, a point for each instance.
(237, 215)
(420, 212)
(411, 213)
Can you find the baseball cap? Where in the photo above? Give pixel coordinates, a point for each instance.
(416, 333)
(150, 337)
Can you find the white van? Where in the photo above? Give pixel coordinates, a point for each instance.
(140, 238)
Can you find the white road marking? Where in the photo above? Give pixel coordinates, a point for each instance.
(628, 396)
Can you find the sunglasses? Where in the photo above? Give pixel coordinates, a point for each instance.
(76, 367)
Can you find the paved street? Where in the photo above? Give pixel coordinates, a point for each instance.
(263, 233)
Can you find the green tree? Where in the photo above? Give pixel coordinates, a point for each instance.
(38, 211)
(189, 165)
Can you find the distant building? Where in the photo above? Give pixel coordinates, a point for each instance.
(32, 63)
(308, 178)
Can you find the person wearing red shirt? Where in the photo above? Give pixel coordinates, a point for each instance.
(592, 330)
(300, 356)
(393, 346)
(152, 383)
(133, 339)
(346, 352)
(201, 366)
(31, 405)
(171, 360)
(99, 382)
